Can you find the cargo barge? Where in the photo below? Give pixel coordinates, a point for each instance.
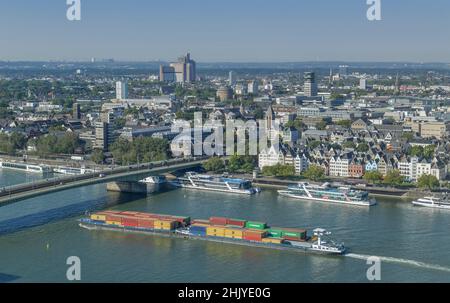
(216, 229)
(196, 181)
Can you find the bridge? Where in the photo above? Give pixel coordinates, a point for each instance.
(131, 173)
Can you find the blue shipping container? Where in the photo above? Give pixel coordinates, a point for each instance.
(198, 228)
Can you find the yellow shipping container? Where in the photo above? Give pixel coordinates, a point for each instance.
(215, 234)
(165, 225)
(114, 223)
(233, 237)
(215, 229)
(201, 224)
(234, 232)
(98, 217)
(272, 240)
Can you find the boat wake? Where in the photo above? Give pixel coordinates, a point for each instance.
(402, 261)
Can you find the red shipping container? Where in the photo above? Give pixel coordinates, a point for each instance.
(146, 223)
(144, 216)
(206, 222)
(218, 221)
(253, 238)
(239, 223)
(130, 222)
(113, 218)
(256, 233)
(130, 213)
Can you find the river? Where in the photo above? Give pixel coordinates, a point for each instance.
(38, 235)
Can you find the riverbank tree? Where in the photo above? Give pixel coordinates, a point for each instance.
(214, 164)
(429, 182)
(314, 173)
(141, 150)
(279, 171)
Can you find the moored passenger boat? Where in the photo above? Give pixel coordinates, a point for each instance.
(326, 193)
(193, 180)
(26, 167)
(432, 202)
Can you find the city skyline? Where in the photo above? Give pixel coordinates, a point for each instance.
(224, 32)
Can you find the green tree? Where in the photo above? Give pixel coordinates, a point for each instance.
(408, 136)
(241, 164)
(362, 147)
(428, 182)
(142, 150)
(345, 123)
(428, 151)
(67, 144)
(313, 144)
(322, 125)
(373, 176)
(10, 143)
(349, 144)
(259, 113)
(98, 156)
(297, 124)
(53, 144)
(416, 151)
(314, 173)
(279, 171)
(394, 178)
(214, 164)
(119, 123)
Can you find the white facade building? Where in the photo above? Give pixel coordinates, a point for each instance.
(301, 164)
(121, 90)
(339, 166)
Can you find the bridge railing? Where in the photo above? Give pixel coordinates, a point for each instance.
(57, 181)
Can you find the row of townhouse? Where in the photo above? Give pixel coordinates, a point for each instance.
(352, 164)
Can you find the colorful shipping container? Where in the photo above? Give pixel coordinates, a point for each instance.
(215, 226)
(255, 225)
(98, 217)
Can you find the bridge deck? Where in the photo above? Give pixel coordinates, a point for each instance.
(131, 173)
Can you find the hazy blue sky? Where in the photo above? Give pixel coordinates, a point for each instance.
(226, 30)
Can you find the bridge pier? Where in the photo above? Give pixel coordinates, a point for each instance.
(134, 187)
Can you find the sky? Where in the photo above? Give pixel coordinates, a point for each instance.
(226, 30)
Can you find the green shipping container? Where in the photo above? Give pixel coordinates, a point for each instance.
(275, 233)
(300, 235)
(255, 225)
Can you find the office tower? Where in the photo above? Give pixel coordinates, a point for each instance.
(76, 112)
(310, 86)
(252, 87)
(166, 74)
(182, 71)
(343, 70)
(104, 135)
(121, 90)
(363, 84)
(232, 78)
